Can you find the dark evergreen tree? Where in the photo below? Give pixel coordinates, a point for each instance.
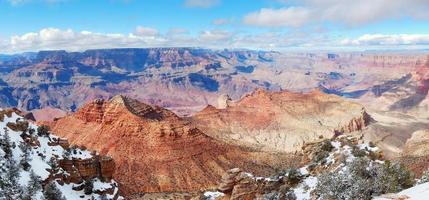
(51, 192)
(34, 185)
(6, 144)
(31, 131)
(103, 197)
(88, 187)
(25, 157)
(9, 186)
(43, 130)
(67, 153)
(53, 164)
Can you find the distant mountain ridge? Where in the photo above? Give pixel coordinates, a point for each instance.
(188, 79)
(36, 80)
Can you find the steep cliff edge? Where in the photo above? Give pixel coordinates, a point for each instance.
(154, 149)
(282, 121)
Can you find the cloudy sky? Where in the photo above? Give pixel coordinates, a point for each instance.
(76, 25)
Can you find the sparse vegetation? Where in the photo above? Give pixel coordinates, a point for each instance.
(88, 187)
(425, 177)
(43, 130)
(357, 152)
(326, 146)
(51, 192)
(25, 157)
(363, 179)
(320, 156)
(293, 177)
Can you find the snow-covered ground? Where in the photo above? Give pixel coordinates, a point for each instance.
(418, 192)
(39, 157)
(213, 195)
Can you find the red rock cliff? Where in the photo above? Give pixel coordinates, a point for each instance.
(155, 150)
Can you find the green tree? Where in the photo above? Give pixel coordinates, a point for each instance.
(43, 130)
(88, 187)
(51, 192)
(25, 157)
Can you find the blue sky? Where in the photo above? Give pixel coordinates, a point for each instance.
(31, 25)
(117, 16)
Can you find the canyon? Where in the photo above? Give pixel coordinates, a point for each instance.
(186, 80)
(157, 151)
(175, 120)
(282, 121)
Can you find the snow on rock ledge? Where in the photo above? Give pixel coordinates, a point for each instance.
(41, 159)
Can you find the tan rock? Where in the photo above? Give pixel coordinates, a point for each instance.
(282, 121)
(224, 101)
(418, 144)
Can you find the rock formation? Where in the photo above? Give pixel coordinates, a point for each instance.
(415, 154)
(187, 79)
(282, 121)
(224, 101)
(101, 167)
(154, 149)
(417, 145)
(53, 160)
(320, 157)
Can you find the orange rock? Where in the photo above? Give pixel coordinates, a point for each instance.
(155, 150)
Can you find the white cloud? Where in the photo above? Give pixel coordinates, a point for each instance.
(215, 36)
(346, 12)
(351, 12)
(68, 39)
(177, 31)
(201, 3)
(146, 32)
(387, 40)
(52, 38)
(292, 16)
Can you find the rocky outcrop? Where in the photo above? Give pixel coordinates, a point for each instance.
(64, 143)
(415, 154)
(9, 111)
(154, 149)
(224, 101)
(321, 157)
(85, 169)
(53, 160)
(282, 121)
(106, 167)
(417, 145)
(238, 185)
(355, 124)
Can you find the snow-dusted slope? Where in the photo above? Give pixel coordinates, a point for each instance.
(418, 192)
(340, 168)
(27, 160)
